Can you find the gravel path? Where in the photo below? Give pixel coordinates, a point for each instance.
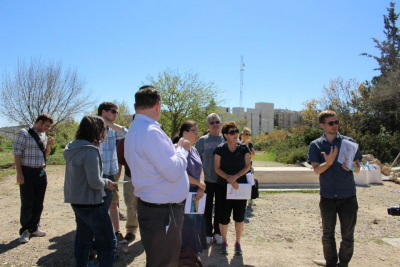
(282, 229)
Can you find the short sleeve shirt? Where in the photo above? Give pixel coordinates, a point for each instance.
(232, 162)
(335, 182)
(28, 150)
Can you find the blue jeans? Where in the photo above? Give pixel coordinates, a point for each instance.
(32, 196)
(346, 209)
(94, 222)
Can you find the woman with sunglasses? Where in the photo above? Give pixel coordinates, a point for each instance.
(193, 229)
(84, 189)
(232, 162)
(246, 136)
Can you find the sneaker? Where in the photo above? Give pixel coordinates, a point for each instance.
(218, 239)
(122, 217)
(24, 237)
(39, 233)
(208, 239)
(238, 249)
(224, 249)
(130, 237)
(120, 237)
(320, 262)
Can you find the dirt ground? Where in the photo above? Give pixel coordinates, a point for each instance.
(282, 229)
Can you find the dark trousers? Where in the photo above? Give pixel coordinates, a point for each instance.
(160, 231)
(32, 197)
(211, 191)
(346, 209)
(229, 206)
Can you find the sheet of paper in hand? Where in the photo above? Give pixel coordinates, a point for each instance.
(347, 152)
(193, 206)
(243, 192)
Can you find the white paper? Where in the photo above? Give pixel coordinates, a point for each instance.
(250, 178)
(195, 207)
(243, 192)
(347, 152)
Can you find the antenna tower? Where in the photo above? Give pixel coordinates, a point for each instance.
(241, 80)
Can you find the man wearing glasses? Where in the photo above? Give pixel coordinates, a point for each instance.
(31, 147)
(108, 149)
(205, 146)
(337, 190)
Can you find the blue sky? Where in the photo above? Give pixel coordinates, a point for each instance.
(291, 48)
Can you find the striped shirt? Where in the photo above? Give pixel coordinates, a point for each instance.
(28, 150)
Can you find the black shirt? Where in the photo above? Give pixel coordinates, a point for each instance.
(232, 162)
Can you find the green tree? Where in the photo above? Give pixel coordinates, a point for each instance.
(43, 88)
(384, 89)
(343, 98)
(184, 96)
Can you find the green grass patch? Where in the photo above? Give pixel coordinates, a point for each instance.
(6, 157)
(267, 156)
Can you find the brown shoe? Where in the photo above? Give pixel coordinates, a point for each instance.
(120, 237)
(130, 237)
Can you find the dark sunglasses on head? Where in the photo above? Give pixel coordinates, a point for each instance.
(214, 122)
(113, 111)
(331, 123)
(233, 132)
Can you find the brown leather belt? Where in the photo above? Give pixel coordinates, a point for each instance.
(155, 205)
(37, 169)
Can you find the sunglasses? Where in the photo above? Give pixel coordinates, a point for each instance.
(113, 111)
(331, 123)
(233, 132)
(214, 122)
(247, 134)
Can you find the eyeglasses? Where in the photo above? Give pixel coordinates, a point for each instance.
(331, 123)
(195, 131)
(113, 111)
(233, 132)
(247, 134)
(214, 122)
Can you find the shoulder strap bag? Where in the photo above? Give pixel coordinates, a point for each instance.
(39, 142)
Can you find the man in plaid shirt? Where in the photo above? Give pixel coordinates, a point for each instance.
(30, 165)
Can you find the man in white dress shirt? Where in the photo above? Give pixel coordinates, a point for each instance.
(160, 180)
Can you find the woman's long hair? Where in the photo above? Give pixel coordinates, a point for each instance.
(92, 129)
(184, 127)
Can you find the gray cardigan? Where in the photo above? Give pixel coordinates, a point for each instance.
(83, 174)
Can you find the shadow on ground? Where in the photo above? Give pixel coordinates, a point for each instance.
(62, 254)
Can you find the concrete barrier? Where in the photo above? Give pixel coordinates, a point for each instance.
(286, 177)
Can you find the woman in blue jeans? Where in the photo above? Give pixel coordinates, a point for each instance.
(84, 189)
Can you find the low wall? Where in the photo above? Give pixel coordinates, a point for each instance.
(286, 177)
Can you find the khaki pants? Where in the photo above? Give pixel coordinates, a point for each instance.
(131, 202)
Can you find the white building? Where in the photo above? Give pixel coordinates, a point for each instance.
(259, 119)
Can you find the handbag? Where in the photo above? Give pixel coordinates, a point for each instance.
(254, 190)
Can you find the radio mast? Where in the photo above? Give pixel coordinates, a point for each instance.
(241, 80)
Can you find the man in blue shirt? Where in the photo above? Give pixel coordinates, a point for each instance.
(337, 190)
(108, 149)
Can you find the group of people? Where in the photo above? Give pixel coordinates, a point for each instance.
(159, 174)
